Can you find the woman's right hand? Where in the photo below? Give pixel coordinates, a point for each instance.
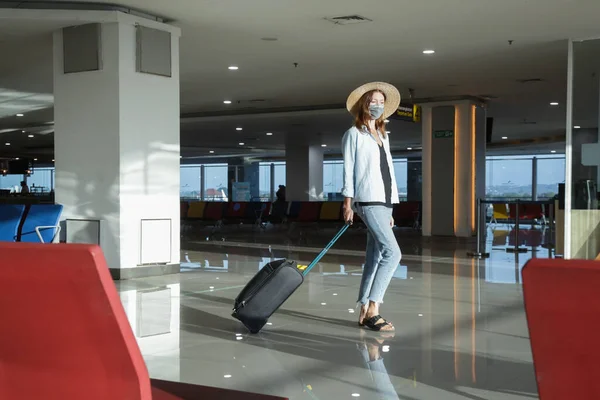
(348, 215)
(347, 211)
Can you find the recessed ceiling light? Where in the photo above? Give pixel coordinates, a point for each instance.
(553, 151)
(19, 115)
(504, 137)
(53, 160)
(577, 127)
(35, 159)
(212, 152)
(22, 131)
(428, 51)
(226, 376)
(355, 394)
(241, 143)
(554, 103)
(269, 134)
(227, 102)
(323, 145)
(17, 158)
(239, 129)
(30, 136)
(7, 144)
(409, 148)
(233, 68)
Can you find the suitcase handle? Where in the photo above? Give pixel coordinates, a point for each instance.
(326, 249)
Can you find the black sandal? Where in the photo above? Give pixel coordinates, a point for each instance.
(372, 324)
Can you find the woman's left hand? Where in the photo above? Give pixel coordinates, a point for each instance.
(392, 222)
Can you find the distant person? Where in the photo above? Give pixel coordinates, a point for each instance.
(370, 189)
(280, 194)
(279, 209)
(24, 188)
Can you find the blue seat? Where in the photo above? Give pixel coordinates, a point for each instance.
(10, 218)
(41, 223)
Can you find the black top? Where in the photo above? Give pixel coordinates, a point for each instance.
(387, 180)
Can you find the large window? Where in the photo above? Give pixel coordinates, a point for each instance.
(509, 177)
(190, 181)
(401, 172)
(264, 179)
(215, 182)
(550, 172)
(41, 180)
(11, 182)
(333, 179)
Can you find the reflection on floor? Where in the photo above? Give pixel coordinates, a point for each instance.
(461, 329)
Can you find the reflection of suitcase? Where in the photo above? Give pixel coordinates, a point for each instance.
(271, 287)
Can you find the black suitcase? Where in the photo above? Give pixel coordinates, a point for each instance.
(271, 287)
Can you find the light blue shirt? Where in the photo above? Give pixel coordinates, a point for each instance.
(362, 176)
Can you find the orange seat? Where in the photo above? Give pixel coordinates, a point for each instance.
(562, 305)
(331, 211)
(69, 338)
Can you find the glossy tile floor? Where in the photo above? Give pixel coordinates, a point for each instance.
(461, 328)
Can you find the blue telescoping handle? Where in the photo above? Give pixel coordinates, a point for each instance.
(326, 249)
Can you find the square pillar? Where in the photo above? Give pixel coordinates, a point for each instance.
(304, 170)
(453, 167)
(116, 113)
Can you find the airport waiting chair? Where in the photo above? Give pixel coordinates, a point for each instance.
(331, 211)
(196, 210)
(11, 216)
(41, 224)
(499, 213)
(562, 305)
(69, 338)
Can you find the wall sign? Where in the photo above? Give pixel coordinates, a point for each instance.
(443, 134)
(407, 112)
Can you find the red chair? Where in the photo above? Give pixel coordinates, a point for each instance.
(406, 213)
(562, 305)
(309, 211)
(531, 212)
(67, 337)
(214, 211)
(184, 207)
(235, 212)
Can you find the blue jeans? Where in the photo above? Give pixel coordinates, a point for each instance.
(383, 253)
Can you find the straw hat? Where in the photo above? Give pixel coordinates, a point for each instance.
(392, 97)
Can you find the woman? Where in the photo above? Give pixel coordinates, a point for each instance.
(370, 189)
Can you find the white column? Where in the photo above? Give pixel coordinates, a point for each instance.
(117, 151)
(304, 171)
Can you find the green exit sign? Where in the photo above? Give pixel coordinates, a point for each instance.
(443, 134)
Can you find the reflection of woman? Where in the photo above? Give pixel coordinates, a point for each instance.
(370, 188)
(370, 350)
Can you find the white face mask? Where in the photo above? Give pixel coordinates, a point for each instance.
(376, 111)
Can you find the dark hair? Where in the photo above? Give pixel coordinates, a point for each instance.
(362, 116)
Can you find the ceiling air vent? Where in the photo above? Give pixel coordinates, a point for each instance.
(348, 19)
(525, 122)
(530, 80)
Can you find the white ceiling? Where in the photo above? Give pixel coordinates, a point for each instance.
(473, 57)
